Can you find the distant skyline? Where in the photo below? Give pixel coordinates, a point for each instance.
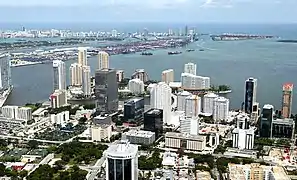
(201, 11)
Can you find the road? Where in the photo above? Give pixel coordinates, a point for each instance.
(95, 169)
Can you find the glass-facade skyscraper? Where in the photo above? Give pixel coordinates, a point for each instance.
(250, 94)
(122, 161)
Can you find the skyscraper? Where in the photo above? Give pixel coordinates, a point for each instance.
(192, 106)
(106, 90)
(250, 94)
(86, 80)
(5, 72)
(168, 76)
(59, 75)
(82, 56)
(122, 161)
(208, 103)
(103, 60)
(161, 99)
(287, 100)
(221, 108)
(153, 121)
(190, 68)
(266, 120)
(75, 70)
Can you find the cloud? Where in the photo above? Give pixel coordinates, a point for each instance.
(217, 3)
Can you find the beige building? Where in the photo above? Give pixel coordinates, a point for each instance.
(103, 60)
(58, 98)
(75, 70)
(102, 131)
(82, 56)
(188, 142)
(168, 76)
(255, 171)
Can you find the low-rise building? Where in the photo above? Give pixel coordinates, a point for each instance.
(139, 137)
(16, 112)
(188, 142)
(102, 131)
(60, 118)
(256, 171)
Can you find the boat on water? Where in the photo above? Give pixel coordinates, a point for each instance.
(146, 53)
(190, 50)
(201, 49)
(174, 52)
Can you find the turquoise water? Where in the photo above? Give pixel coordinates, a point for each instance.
(232, 62)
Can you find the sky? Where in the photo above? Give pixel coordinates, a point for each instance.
(204, 11)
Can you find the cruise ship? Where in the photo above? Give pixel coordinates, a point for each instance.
(236, 37)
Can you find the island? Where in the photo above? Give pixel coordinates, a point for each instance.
(221, 89)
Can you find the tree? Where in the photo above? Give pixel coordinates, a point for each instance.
(82, 120)
(33, 144)
(23, 174)
(60, 165)
(44, 172)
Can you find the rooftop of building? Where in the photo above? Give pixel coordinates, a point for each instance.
(184, 136)
(144, 134)
(251, 130)
(175, 84)
(268, 106)
(251, 79)
(222, 99)
(136, 80)
(184, 93)
(211, 95)
(134, 100)
(285, 121)
(121, 150)
(167, 70)
(105, 70)
(236, 171)
(203, 175)
(154, 111)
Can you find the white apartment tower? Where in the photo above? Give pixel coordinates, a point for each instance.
(208, 103)
(190, 81)
(181, 100)
(243, 138)
(189, 125)
(59, 75)
(192, 106)
(168, 76)
(136, 86)
(221, 108)
(75, 70)
(161, 99)
(103, 60)
(86, 80)
(190, 68)
(82, 56)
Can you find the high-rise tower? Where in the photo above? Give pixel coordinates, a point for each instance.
(250, 94)
(59, 75)
(82, 56)
(287, 100)
(103, 60)
(5, 72)
(75, 74)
